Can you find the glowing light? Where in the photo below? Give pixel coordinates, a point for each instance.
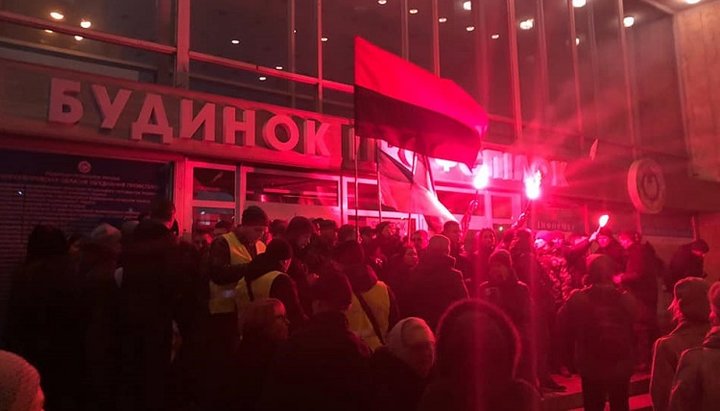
(527, 24)
(382, 2)
(467, 5)
(49, 31)
(470, 28)
(262, 78)
(278, 67)
(442, 20)
(323, 39)
(86, 24)
(495, 36)
(56, 15)
(603, 220)
(482, 178)
(532, 186)
(692, 1)
(501, 228)
(413, 11)
(628, 21)
(577, 41)
(78, 38)
(579, 3)
(235, 41)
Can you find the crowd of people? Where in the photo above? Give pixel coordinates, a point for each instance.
(306, 315)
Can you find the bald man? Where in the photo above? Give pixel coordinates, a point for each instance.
(434, 284)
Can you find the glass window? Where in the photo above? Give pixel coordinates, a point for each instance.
(213, 184)
(561, 110)
(289, 189)
(368, 199)
(457, 46)
(146, 20)
(343, 20)
(502, 207)
(458, 202)
(420, 33)
(205, 217)
(254, 31)
(532, 91)
(496, 83)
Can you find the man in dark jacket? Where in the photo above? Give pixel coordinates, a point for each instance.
(435, 284)
(599, 321)
(640, 280)
(688, 261)
(325, 366)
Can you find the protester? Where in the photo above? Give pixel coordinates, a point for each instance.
(373, 310)
(19, 384)
(688, 261)
(512, 297)
(325, 366)
(400, 268)
(388, 241)
(640, 278)
(452, 231)
(276, 229)
(486, 245)
(695, 386)
(401, 368)
(609, 245)
(420, 240)
(298, 234)
(266, 277)
(201, 239)
(598, 320)
(691, 310)
(435, 284)
(46, 316)
(347, 232)
(478, 351)
(317, 256)
(264, 329)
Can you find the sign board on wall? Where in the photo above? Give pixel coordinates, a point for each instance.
(70, 192)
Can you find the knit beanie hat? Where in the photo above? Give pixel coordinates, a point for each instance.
(19, 383)
(255, 215)
(404, 334)
(691, 299)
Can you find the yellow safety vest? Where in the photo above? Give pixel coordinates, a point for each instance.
(260, 290)
(222, 297)
(378, 299)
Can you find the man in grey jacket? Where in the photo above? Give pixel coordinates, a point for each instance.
(691, 310)
(696, 386)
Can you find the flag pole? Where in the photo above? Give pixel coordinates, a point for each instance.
(412, 170)
(377, 179)
(356, 146)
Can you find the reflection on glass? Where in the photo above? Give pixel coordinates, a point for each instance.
(273, 188)
(213, 184)
(502, 207)
(141, 19)
(368, 199)
(205, 217)
(532, 91)
(561, 111)
(458, 60)
(343, 20)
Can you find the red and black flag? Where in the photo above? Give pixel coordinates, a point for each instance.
(411, 108)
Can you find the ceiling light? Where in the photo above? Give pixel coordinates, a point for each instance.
(382, 2)
(262, 78)
(577, 41)
(278, 67)
(470, 28)
(442, 19)
(56, 15)
(48, 31)
(86, 24)
(235, 41)
(413, 11)
(692, 1)
(527, 24)
(495, 36)
(579, 3)
(323, 39)
(78, 38)
(467, 5)
(628, 21)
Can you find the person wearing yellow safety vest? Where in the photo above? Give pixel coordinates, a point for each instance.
(266, 278)
(230, 255)
(373, 311)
